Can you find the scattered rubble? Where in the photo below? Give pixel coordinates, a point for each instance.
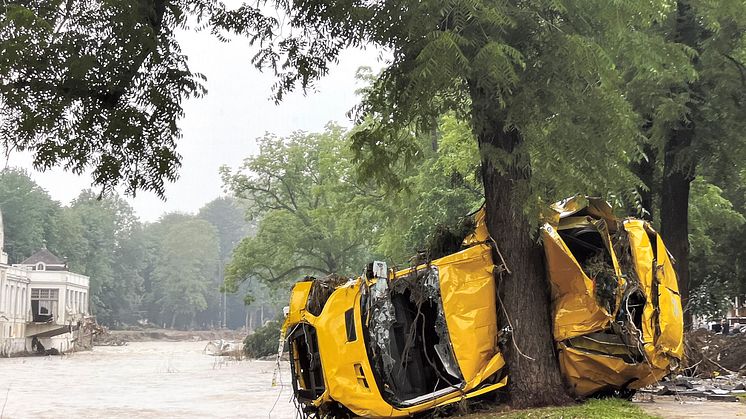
(714, 369)
(720, 388)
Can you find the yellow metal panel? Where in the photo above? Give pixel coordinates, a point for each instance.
(642, 256)
(339, 357)
(576, 312)
(595, 207)
(469, 303)
(480, 234)
(574, 306)
(671, 315)
(467, 288)
(670, 321)
(588, 372)
(298, 300)
(484, 390)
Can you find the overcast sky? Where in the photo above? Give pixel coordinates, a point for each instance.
(221, 127)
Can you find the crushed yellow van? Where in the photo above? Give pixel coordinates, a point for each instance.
(393, 344)
(617, 315)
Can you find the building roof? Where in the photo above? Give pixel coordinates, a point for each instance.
(45, 256)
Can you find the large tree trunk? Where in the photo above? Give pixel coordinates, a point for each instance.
(645, 170)
(677, 179)
(678, 172)
(535, 378)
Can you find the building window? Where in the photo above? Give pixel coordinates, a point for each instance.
(40, 266)
(44, 303)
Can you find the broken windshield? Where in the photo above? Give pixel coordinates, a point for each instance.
(410, 349)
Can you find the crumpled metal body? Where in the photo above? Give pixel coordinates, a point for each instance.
(633, 352)
(467, 293)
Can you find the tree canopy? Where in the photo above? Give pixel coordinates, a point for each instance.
(311, 208)
(29, 214)
(184, 275)
(99, 85)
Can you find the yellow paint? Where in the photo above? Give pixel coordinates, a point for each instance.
(574, 306)
(298, 301)
(468, 294)
(576, 312)
(480, 234)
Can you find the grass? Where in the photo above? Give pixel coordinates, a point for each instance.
(597, 409)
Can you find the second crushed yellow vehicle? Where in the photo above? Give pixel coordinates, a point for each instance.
(393, 344)
(617, 315)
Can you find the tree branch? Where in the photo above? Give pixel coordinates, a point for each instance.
(739, 65)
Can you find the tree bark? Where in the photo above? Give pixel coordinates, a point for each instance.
(524, 293)
(677, 179)
(678, 173)
(645, 170)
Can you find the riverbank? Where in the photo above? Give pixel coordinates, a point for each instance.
(142, 379)
(114, 337)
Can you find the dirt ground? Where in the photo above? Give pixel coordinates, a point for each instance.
(141, 379)
(668, 407)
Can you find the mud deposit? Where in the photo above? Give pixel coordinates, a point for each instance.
(142, 379)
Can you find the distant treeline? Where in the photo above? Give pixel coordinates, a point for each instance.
(167, 273)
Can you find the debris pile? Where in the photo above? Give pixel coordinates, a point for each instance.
(599, 268)
(445, 239)
(121, 337)
(221, 347)
(709, 354)
(105, 338)
(321, 289)
(715, 368)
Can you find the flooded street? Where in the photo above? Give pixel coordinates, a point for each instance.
(142, 379)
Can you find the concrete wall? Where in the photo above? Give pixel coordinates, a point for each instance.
(12, 346)
(22, 346)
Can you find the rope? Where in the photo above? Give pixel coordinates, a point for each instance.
(502, 259)
(507, 318)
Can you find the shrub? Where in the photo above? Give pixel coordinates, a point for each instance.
(263, 341)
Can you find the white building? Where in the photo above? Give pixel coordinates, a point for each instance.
(14, 307)
(57, 295)
(40, 300)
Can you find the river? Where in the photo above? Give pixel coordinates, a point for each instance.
(143, 380)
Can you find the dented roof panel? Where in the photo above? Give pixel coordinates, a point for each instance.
(671, 321)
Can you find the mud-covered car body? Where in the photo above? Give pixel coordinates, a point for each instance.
(617, 316)
(397, 343)
(394, 344)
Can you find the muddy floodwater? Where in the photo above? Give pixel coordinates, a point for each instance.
(142, 379)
